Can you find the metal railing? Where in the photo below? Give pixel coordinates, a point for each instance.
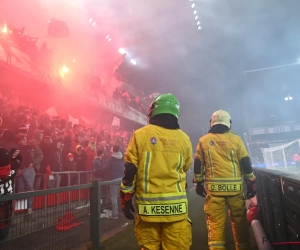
(62, 218)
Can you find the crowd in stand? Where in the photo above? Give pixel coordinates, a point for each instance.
(133, 101)
(41, 61)
(51, 145)
(256, 152)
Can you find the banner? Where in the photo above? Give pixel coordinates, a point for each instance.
(51, 112)
(85, 120)
(73, 120)
(121, 109)
(116, 122)
(274, 130)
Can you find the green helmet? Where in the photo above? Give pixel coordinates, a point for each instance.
(164, 104)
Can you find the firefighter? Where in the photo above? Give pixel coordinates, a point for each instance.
(156, 161)
(222, 161)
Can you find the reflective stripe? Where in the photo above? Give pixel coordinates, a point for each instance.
(249, 176)
(225, 180)
(210, 163)
(166, 198)
(179, 175)
(127, 188)
(198, 177)
(146, 172)
(232, 163)
(217, 244)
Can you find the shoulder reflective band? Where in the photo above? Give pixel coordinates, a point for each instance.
(163, 210)
(224, 187)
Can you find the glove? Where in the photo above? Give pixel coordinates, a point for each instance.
(127, 206)
(251, 189)
(200, 190)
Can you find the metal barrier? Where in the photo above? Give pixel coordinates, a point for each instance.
(278, 194)
(62, 218)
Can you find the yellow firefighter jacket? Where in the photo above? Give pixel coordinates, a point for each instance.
(220, 156)
(161, 156)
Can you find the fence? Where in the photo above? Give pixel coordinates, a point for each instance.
(279, 197)
(62, 218)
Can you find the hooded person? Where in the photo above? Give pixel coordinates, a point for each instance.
(114, 169)
(90, 151)
(9, 166)
(80, 159)
(8, 139)
(37, 156)
(156, 161)
(69, 166)
(221, 163)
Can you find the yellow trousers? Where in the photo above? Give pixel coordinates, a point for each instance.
(163, 235)
(214, 208)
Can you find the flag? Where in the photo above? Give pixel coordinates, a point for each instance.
(116, 122)
(57, 28)
(51, 112)
(85, 120)
(73, 120)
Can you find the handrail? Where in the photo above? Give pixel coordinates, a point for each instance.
(19, 196)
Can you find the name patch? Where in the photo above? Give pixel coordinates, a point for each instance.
(163, 210)
(224, 187)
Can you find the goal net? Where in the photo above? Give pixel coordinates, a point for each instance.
(281, 155)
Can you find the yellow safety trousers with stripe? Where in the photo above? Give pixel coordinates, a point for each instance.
(220, 156)
(161, 156)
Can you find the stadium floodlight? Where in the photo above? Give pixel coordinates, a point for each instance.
(195, 12)
(290, 98)
(94, 23)
(198, 23)
(91, 19)
(122, 51)
(199, 27)
(133, 61)
(196, 17)
(193, 5)
(65, 69)
(4, 30)
(286, 98)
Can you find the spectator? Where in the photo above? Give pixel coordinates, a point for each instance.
(80, 159)
(83, 140)
(98, 166)
(37, 157)
(106, 150)
(46, 146)
(67, 148)
(55, 164)
(9, 166)
(114, 167)
(90, 151)
(26, 175)
(8, 140)
(69, 166)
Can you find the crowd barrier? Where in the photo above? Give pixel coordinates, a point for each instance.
(62, 218)
(81, 177)
(278, 194)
